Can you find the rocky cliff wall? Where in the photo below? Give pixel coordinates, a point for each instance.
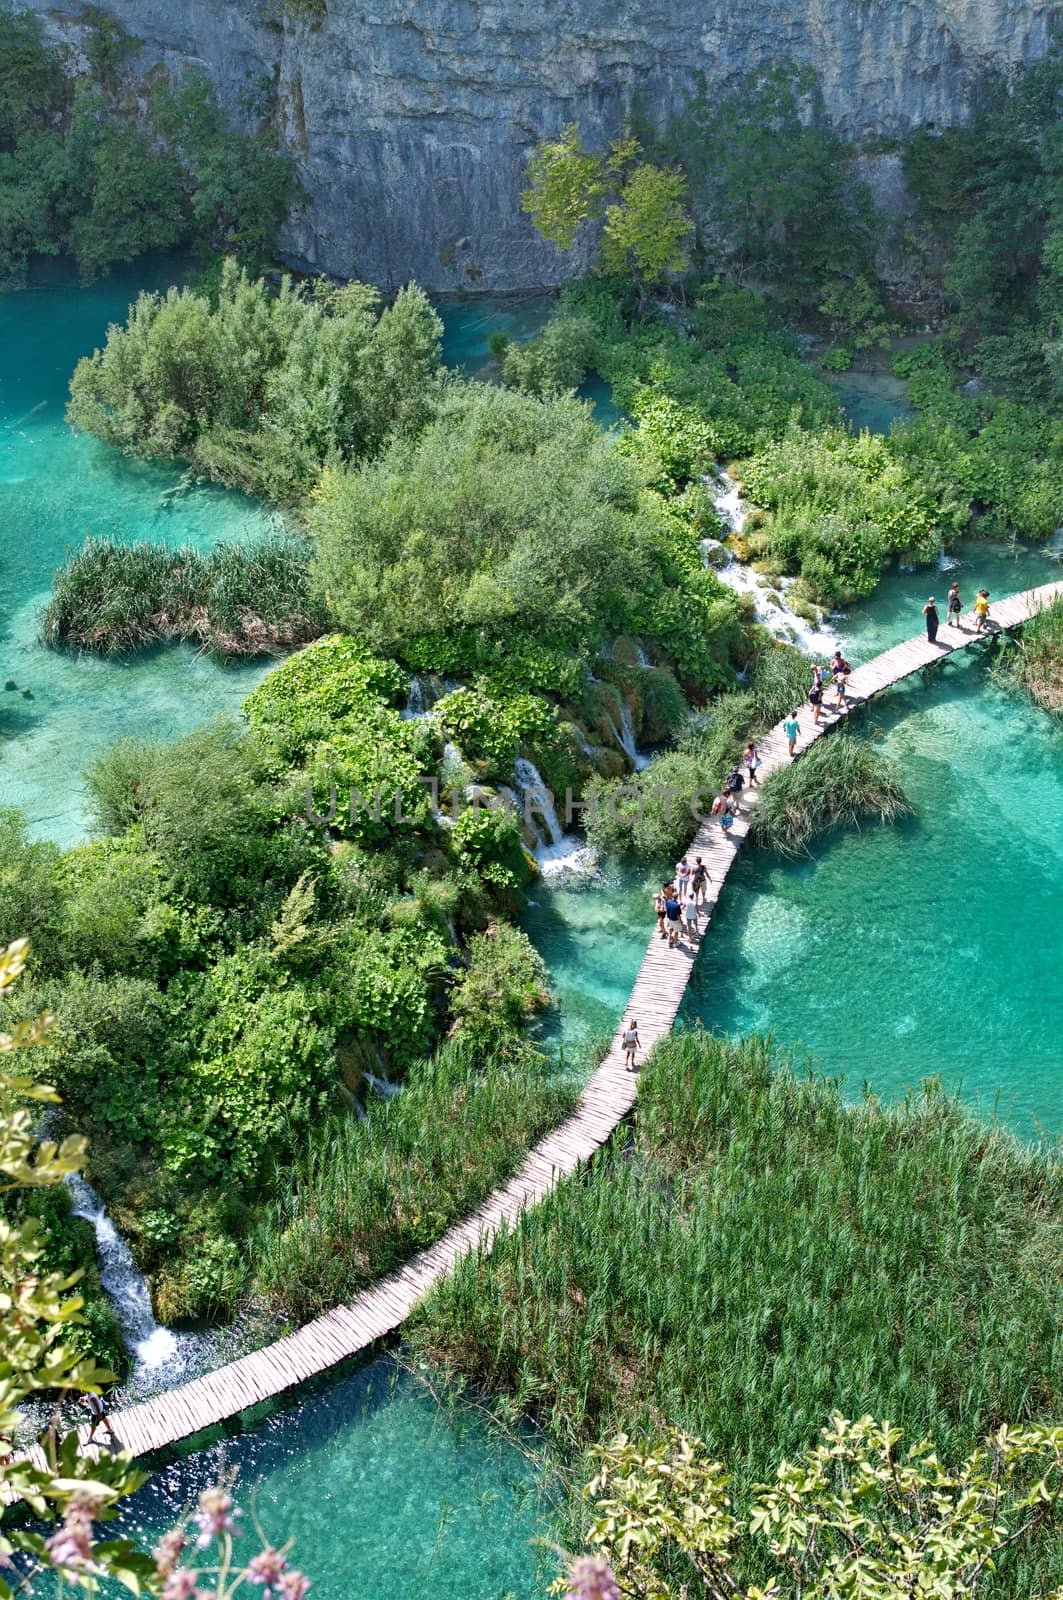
(411, 119)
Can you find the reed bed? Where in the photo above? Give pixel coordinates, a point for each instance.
(369, 1193)
(233, 600)
(839, 782)
(759, 1253)
(1033, 659)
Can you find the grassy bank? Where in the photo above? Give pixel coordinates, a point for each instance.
(233, 600)
(1032, 659)
(840, 782)
(759, 1253)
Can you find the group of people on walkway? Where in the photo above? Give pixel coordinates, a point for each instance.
(954, 606)
(678, 904)
(835, 676)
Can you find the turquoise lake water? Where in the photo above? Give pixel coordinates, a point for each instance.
(896, 953)
(387, 1495)
(55, 489)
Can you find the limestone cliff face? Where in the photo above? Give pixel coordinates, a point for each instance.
(411, 119)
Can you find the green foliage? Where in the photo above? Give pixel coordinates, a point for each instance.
(515, 522)
(86, 170)
(369, 1193)
(758, 1250)
(771, 186)
(41, 1326)
(853, 1515)
(647, 229)
(855, 312)
(836, 783)
(493, 728)
(487, 842)
(260, 388)
(504, 983)
(566, 187)
(29, 883)
(235, 600)
(555, 361)
(333, 685)
(1032, 660)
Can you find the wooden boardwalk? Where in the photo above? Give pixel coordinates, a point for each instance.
(655, 999)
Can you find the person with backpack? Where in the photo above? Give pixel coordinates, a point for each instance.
(673, 915)
(815, 696)
(700, 880)
(735, 781)
(955, 604)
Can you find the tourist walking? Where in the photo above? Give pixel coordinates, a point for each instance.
(752, 761)
(815, 697)
(658, 906)
(724, 808)
(631, 1042)
(838, 663)
(682, 879)
(673, 915)
(981, 611)
(690, 916)
(840, 700)
(930, 612)
(792, 729)
(700, 879)
(955, 604)
(97, 1409)
(734, 782)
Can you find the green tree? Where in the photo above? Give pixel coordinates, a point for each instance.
(567, 186)
(647, 229)
(855, 1517)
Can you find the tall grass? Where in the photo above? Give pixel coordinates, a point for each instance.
(1033, 659)
(840, 781)
(234, 600)
(369, 1193)
(759, 1253)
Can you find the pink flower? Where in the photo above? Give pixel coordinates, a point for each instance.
(268, 1568)
(168, 1550)
(215, 1515)
(181, 1585)
(592, 1578)
(70, 1547)
(293, 1585)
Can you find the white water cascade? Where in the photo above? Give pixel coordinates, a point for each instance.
(161, 1358)
(773, 615)
(625, 738)
(556, 852)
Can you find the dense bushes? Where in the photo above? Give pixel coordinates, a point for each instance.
(758, 1253)
(837, 783)
(257, 388)
(512, 522)
(107, 168)
(235, 600)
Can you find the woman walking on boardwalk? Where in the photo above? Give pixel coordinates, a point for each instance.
(752, 761)
(930, 612)
(673, 916)
(631, 1042)
(700, 880)
(792, 728)
(955, 604)
(815, 697)
(658, 906)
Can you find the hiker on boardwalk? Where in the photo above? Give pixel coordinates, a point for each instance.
(690, 917)
(734, 782)
(981, 611)
(658, 906)
(97, 1410)
(631, 1043)
(792, 729)
(815, 696)
(673, 914)
(841, 678)
(930, 612)
(682, 879)
(752, 761)
(700, 880)
(724, 808)
(838, 663)
(955, 604)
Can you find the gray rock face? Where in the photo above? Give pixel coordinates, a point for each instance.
(411, 119)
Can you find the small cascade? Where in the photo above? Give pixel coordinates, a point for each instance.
(382, 1086)
(775, 615)
(1055, 544)
(945, 562)
(625, 738)
(556, 852)
(641, 657)
(161, 1358)
(416, 701)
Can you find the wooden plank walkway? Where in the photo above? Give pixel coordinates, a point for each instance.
(655, 999)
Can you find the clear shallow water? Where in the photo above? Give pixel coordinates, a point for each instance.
(55, 489)
(386, 1494)
(470, 320)
(931, 947)
(872, 400)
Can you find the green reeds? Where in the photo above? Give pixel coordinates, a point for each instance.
(840, 781)
(234, 600)
(369, 1193)
(1033, 659)
(759, 1253)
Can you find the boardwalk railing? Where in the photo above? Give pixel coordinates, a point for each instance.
(655, 999)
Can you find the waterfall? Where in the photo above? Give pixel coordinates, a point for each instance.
(772, 614)
(416, 704)
(641, 657)
(625, 738)
(382, 1086)
(557, 853)
(161, 1358)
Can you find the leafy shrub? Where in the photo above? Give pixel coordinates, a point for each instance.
(555, 361)
(503, 984)
(493, 728)
(837, 782)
